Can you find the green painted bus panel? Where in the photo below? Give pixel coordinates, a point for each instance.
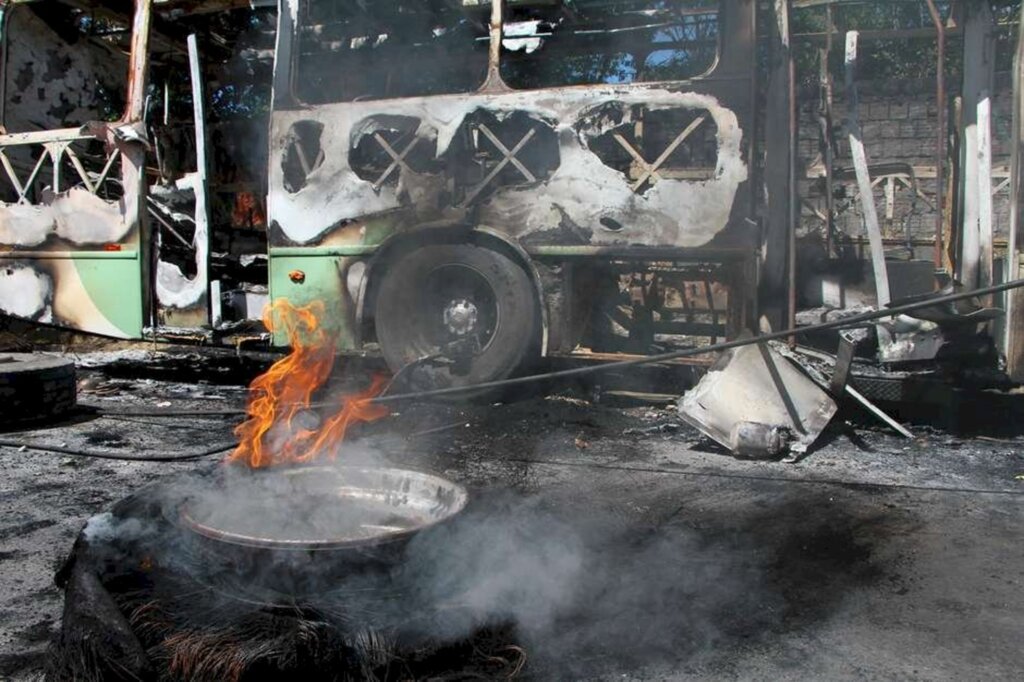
(305, 279)
(317, 251)
(377, 230)
(115, 287)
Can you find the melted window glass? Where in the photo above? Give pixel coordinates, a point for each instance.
(557, 43)
(354, 51)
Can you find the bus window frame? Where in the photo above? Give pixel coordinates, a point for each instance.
(293, 71)
(719, 13)
(486, 87)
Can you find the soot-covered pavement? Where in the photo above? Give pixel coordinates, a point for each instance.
(619, 542)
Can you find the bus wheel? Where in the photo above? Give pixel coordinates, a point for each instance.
(470, 310)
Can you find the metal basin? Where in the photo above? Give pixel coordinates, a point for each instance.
(304, 529)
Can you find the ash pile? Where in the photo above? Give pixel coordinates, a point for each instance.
(259, 575)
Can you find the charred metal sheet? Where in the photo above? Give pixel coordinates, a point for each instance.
(756, 403)
(71, 221)
(553, 178)
(182, 298)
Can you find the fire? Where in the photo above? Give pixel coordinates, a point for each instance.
(271, 435)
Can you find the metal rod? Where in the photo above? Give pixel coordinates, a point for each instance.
(793, 201)
(873, 409)
(940, 142)
(854, 321)
(5, 16)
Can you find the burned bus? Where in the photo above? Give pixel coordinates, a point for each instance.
(461, 184)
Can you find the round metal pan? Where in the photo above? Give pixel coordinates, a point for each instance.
(304, 529)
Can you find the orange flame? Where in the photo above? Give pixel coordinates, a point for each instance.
(270, 436)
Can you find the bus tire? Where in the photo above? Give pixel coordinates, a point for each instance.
(471, 309)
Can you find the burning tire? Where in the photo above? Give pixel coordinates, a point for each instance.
(471, 310)
(34, 387)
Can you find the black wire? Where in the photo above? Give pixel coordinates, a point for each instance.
(853, 321)
(223, 447)
(190, 412)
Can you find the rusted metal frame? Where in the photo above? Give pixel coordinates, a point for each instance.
(142, 22)
(500, 166)
(860, 163)
(133, 155)
(878, 413)
(32, 176)
(825, 126)
(793, 203)
(5, 16)
(285, 56)
(841, 371)
(650, 170)
(11, 174)
(79, 168)
(889, 190)
(56, 152)
(179, 8)
(397, 158)
(905, 179)
(111, 160)
(1014, 337)
(201, 188)
(1003, 184)
(881, 34)
(300, 152)
(709, 295)
(940, 142)
(43, 136)
(815, 211)
(624, 143)
(660, 161)
(773, 282)
(493, 82)
(910, 182)
(167, 226)
(530, 177)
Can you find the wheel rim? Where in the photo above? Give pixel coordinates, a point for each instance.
(458, 305)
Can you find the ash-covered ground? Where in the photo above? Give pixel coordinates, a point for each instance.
(634, 547)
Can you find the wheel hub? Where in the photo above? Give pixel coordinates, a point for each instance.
(460, 317)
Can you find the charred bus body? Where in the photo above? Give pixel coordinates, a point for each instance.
(463, 183)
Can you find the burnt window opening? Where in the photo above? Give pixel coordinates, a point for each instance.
(590, 42)
(357, 51)
(172, 212)
(651, 145)
(303, 153)
(82, 164)
(384, 146)
(101, 170)
(501, 149)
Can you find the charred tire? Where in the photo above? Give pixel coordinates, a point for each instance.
(35, 388)
(473, 306)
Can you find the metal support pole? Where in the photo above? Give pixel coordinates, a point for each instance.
(940, 142)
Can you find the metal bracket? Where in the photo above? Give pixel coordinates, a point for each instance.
(509, 157)
(55, 151)
(650, 170)
(397, 159)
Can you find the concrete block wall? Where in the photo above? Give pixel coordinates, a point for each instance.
(899, 124)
